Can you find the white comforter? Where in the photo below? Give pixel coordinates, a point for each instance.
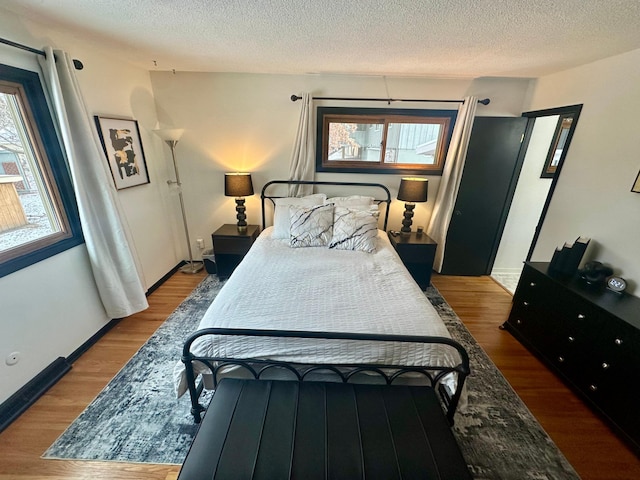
(277, 287)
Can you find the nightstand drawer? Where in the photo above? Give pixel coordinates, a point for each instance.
(229, 245)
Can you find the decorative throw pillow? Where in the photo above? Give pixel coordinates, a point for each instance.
(311, 226)
(281, 220)
(355, 229)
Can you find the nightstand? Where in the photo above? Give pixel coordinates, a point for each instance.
(417, 252)
(230, 246)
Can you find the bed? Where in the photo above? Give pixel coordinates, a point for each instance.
(296, 306)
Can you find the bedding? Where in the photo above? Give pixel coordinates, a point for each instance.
(281, 220)
(277, 287)
(355, 229)
(311, 226)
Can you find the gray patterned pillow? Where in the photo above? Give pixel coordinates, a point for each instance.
(355, 229)
(311, 226)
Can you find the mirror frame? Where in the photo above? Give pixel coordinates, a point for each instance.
(561, 133)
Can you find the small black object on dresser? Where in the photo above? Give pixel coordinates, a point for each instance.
(417, 252)
(589, 336)
(230, 246)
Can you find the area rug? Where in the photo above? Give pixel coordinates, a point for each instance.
(137, 418)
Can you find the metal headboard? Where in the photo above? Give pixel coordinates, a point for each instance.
(264, 196)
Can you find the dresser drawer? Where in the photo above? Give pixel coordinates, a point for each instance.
(618, 339)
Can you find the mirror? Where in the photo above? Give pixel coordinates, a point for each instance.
(557, 145)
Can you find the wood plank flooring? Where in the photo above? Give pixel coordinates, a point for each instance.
(481, 303)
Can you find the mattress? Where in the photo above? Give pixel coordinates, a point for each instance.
(277, 287)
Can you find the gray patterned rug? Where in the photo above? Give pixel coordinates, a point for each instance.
(137, 418)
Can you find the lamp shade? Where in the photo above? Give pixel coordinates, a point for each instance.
(169, 134)
(238, 184)
(413, 189)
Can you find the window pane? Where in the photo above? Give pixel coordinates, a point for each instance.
(355, 141)
(412, 143)
(381, 140)
(27, 211)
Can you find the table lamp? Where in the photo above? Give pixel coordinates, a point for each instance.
(239, 185)
(411, 190)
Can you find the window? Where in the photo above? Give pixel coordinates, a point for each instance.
(369, 140)
(38, 213)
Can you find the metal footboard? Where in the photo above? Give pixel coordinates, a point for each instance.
(258, 368)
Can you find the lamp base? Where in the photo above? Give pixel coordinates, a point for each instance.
(192, 267)
(240, 215)
(408, 218)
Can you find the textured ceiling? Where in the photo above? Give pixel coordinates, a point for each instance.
(441, 38)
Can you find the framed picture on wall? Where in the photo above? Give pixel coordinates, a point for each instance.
(120, 139)
(636, 184)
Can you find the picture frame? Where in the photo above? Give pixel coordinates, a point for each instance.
(636, 185)
(558, 146)
(120, 138)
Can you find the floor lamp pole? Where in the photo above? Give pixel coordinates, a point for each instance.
(191, 267)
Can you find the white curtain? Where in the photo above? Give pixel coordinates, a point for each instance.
(450, 180)
(303, 157)
(113, 262)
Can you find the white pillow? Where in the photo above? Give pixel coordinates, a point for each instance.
(355, 229)
(281, 220)
(351, 201)
(311, 226)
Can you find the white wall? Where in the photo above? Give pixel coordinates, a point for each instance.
(528, 200)
(51, 308)
(246, 122)
(592, 197)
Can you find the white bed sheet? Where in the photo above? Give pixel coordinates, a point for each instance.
(277, 287)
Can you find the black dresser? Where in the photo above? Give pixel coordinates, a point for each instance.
(588, 335)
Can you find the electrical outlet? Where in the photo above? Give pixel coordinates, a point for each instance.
(12, 358)
(200, 243)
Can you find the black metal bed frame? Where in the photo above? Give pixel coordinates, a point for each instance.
(343, 372)
(264, 196)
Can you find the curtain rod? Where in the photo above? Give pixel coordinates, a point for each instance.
(484, 101)
(76, 63)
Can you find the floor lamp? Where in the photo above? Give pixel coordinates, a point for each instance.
(171, 137)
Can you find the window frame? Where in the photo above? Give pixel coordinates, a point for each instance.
(55, 173)
(386, 115)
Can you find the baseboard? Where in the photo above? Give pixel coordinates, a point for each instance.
(156, 285)
(17, 403)
(20, 401)
(77, 353)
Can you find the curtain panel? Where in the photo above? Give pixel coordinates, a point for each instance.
(303, 156)
(450, 180)
(114, 262)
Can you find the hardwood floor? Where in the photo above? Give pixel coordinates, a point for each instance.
(480, 302)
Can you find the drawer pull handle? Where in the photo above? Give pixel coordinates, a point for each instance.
(618, 341)
(561, 359)
(571, 339)
(593, 388)
(605, 366)
(581, 316)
